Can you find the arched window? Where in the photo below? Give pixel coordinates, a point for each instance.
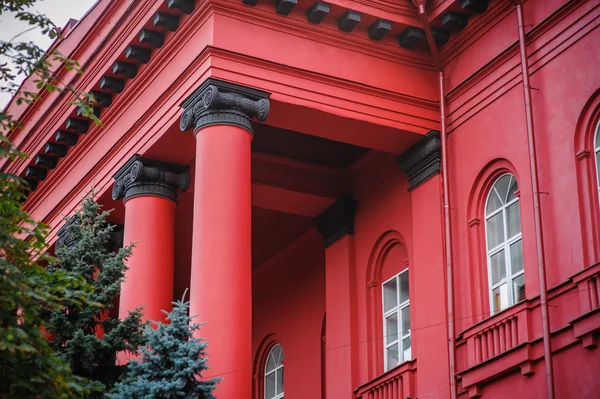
(274, 374)
(396, 320)
(504, 244)
(597, 153)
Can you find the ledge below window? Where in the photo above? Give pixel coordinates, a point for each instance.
(397, 383)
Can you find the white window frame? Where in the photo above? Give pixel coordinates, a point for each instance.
(596, 151)
(503, 246)
(274, 371)
(398, 310)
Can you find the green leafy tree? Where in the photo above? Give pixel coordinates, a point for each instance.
(171, 365)
(89, 339)
(24, 58)
(29, 368)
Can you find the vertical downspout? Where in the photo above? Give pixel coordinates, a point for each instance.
(539, 242)
(446, 199)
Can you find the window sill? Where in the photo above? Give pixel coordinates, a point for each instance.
(399, 382)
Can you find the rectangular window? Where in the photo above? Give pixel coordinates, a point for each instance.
(396, 320)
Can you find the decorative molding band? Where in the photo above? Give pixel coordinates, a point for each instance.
(422, 160)
(141, 176)
(66, 239)
(337, 220)
(217, 102)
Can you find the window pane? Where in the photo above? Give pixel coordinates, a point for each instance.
(390, 297)
(501, 186)
(270, 385)
(270, 362)
(391, 328)
(404, 287)
(519, 288)
(516, 257)
(280, 381)
(597, 144)
(495, 230)
(493, 202)
(498, 267)
(392, 357)
(405, 320)
(500, 298)
(277, 354)
(513, 219)
(406, 349)
(514, 187)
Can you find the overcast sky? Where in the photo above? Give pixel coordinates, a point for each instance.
(59, 11)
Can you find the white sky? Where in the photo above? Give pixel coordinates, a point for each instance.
(59, 11)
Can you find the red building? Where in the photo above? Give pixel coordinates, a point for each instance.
(283, 159)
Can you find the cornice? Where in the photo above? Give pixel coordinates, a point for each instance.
(94, 67)
(503, 72)
(69, 78)
(293, 24)
(146, 177)
(461, 41)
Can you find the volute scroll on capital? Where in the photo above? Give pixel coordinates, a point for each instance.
(217, 102)
(140, 176)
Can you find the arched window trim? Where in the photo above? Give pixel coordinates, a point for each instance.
(596, 145)
(373, 281)
(587, 178)
(274, 371)
(260, 361)
(480, 303)
(505, 246)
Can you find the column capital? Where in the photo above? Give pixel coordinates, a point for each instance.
(217, 102)
(422, 160)
(141, 176)
(337, 220)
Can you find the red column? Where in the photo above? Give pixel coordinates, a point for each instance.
(149, 189)
(336, 225)
(221, 275)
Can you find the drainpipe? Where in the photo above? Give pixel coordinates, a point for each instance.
(539, 242)
(446, 199)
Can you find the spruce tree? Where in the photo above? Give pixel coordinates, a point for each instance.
(88, 339)
(171, 365)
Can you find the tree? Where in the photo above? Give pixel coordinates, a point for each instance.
(18, 58)
(171, 365)
(29, 368)
(89, 339)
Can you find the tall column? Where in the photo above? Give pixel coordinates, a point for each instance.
(421, 163)
(336, 224)
(149, 192)
(221, 275)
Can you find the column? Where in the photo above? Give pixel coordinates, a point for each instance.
(336, 224)
(221, 277)
(421, 163)
(149, 192)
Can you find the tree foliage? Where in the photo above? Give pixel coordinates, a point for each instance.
(89, 339)
(171, 365)
(29, 367)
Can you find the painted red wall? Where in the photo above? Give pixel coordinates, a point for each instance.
(289, 302)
